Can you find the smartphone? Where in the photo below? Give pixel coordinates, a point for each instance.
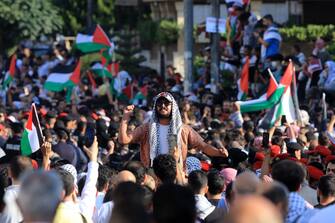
(266, 140)
(172, 142)
(89, 136)
(283, 120)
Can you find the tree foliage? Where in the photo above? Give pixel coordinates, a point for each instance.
(74, 13)
(22, 19)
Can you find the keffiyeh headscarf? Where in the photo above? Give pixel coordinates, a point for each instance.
(174, 126)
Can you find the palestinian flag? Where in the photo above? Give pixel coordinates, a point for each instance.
(62, 77)
(243, 82)
(273, 95)
(102, 71)
(32, 137)
(11, 72)
(284, 107)
(90, 43)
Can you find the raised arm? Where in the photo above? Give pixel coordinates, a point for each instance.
(124, 136)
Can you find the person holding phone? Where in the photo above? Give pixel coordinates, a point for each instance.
(164, 132)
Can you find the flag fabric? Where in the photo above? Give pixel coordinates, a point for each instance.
(273, 94)
(91, 79)
(243, 82)
(90, 43)
(11, 72)
(101, 70)
(284, 107)
(63, 77)
(32, 138)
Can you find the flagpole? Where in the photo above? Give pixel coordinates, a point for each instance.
(271, 75)
(295, 96)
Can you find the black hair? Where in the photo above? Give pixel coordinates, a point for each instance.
(323, 139)
(128, 193)
(68, 181)
(165, 168)
(105, 174)
(327, 186)
(197, 180)
(18, 165)
(277, 193)
(174, 203)
(289, 173)
(137, 169)
(268, 17)
(215, 183)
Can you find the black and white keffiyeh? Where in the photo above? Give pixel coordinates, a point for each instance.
(174, 126)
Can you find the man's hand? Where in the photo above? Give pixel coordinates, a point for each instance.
(176, 154)
(223, 152)
(92, 152)
(128, 111)
(46, 149)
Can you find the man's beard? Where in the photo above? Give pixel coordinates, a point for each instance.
(160, 116)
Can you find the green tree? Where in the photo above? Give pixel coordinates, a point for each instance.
(74, 13)
(128, 52)
(22, 19)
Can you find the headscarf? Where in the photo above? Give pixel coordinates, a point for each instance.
(174, 126)
(331, 72)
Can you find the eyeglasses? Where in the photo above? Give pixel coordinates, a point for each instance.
(161, 102)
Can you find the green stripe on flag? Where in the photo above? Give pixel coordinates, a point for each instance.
(90, 47)
(25, 145)
(249, 106)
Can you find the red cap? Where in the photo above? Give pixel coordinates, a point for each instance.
(205, 166)
(275, 150)
(329, 158)
(323, 151)
(259, 156)
(257, 165)
(94, 116)
(314, 172)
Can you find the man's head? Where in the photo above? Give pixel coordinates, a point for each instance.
(68, 183)
(125, 176)
(18, 165)
(39, 196)
(331, 168)
(267, 20)
(277, 193)
(294, 149)
(246, 183)
(163, 107)
(247, 209)
(137, 169)
(289, 173)
(165, 168)
(105, 174)
(216, 183)
(326, 187)
(197, 180)
(174, 203)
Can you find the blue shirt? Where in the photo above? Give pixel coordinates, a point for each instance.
(273, 47)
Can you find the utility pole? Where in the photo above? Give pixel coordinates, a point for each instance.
(188, 44)
(89, 14)
(215, 45)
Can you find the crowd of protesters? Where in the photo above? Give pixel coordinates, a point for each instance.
(174, 156)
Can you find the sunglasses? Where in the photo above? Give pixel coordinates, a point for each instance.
(160, 103)
(330, 170)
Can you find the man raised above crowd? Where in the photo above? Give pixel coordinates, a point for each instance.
(164, 132)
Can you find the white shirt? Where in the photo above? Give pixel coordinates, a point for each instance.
(104, 213)
(11, 209)
(163, 139)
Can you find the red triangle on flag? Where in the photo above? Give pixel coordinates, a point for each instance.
(272, 86)
(100, 36)
(12, 65)
(245, 77)
(128, 91)
(144, 90)
(75, 77)
(288, 75)
(29, 124)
